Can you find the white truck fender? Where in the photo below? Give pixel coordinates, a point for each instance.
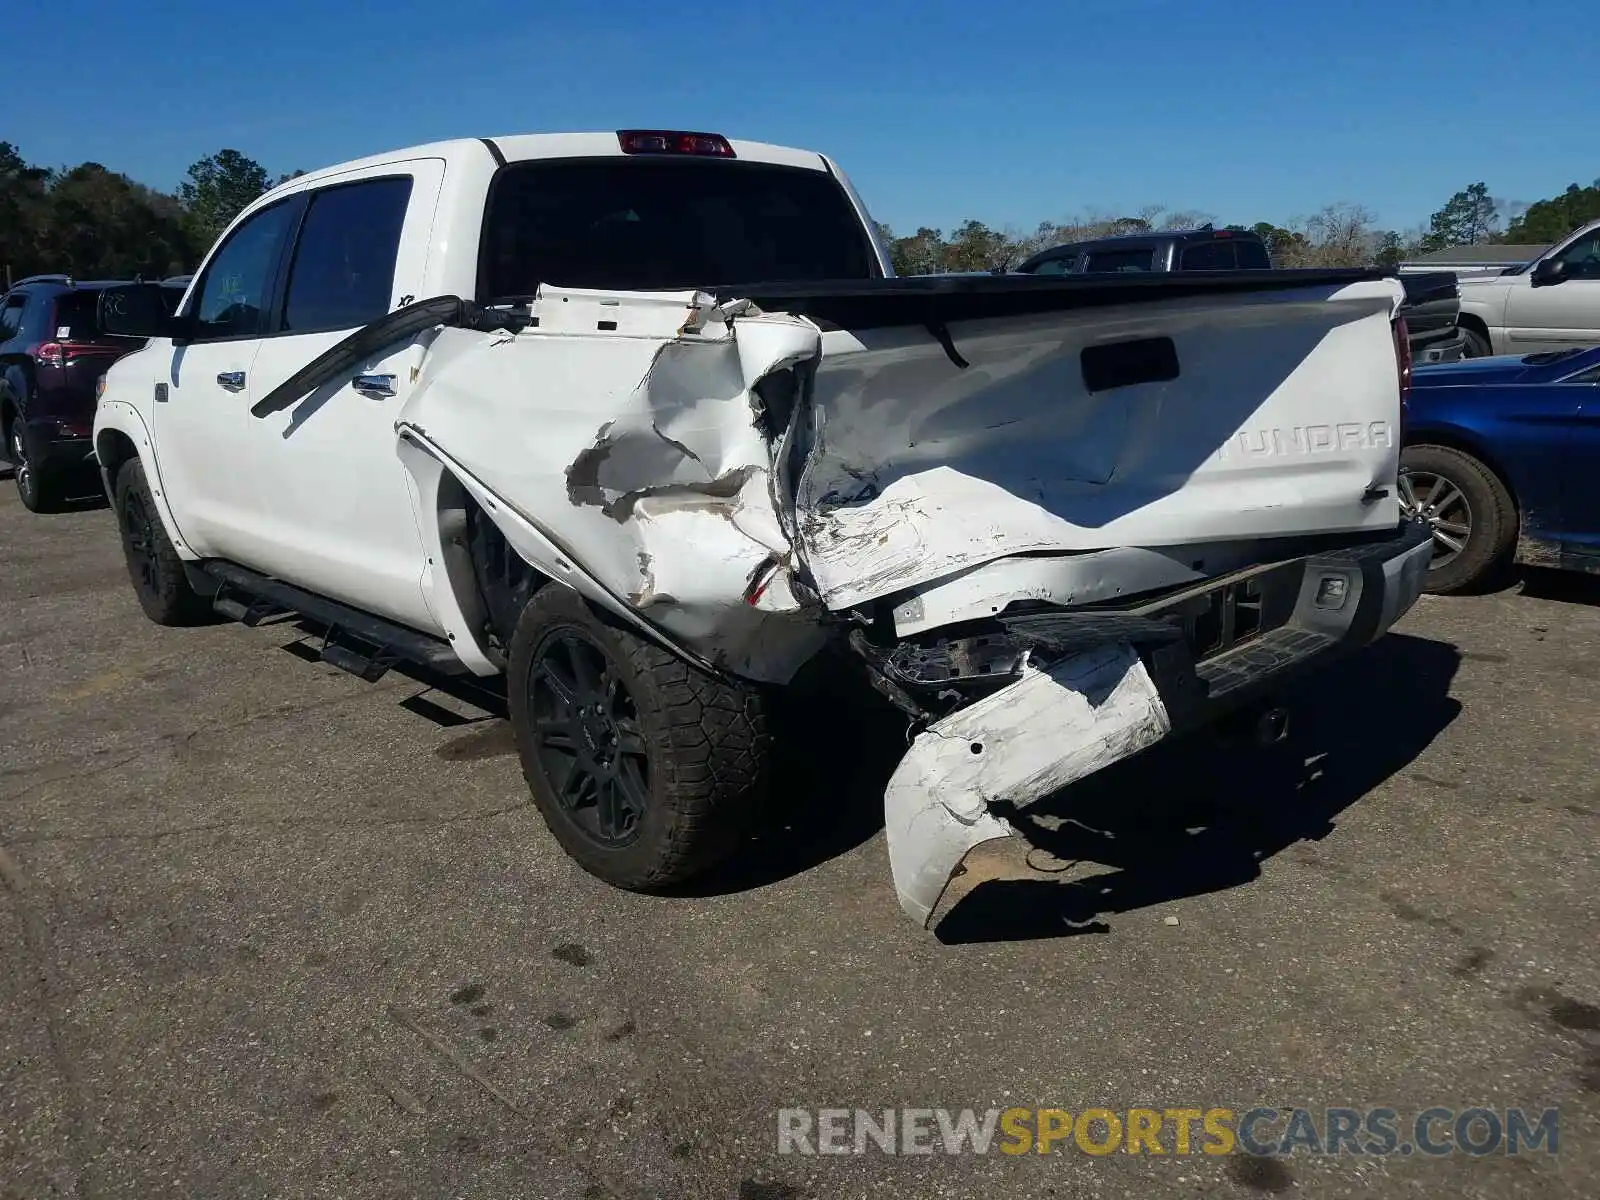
(118, 416)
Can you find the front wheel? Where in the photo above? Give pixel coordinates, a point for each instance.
(644, 767)
(153, 565)
(1469, 512)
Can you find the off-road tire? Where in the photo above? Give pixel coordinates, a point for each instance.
(154, 567)
(1493, 535)
(706, 741)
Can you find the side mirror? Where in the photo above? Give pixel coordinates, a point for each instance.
(142, 310)
(1548, 272)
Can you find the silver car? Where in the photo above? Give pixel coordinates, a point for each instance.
(1549, 304)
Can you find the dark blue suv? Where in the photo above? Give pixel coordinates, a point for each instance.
(52, 354)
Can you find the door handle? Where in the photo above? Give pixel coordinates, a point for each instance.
(374, 385)
(232, 380)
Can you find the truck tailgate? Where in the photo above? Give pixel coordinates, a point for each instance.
(1206, 418)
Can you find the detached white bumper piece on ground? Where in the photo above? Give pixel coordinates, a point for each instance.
(1020, 744)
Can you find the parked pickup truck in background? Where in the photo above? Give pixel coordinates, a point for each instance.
(641, 421)
(1429, 313)
(1552, 303)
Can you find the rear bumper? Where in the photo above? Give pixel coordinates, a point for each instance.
(1450, 348)
(52, 449)
(1110, 700)
(1313, 609)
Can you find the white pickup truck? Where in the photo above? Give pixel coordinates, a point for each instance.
(642, 421)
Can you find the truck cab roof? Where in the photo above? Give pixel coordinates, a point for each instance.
(523, 147)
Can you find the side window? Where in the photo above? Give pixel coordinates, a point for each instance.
(1583, 257)
(343, 271)
(1209, 256)
(237, 287)
(1056, 266)
(11, 317)
(1121, 260)
(1253, 255)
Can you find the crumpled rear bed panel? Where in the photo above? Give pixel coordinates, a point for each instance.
(1283, 414)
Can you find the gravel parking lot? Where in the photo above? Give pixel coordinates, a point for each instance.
(272, 931)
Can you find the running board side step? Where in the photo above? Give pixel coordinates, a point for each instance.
(244, 595)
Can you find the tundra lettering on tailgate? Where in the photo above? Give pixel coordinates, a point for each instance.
(1307, 439)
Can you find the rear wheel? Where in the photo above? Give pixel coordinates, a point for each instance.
(153, 565)
(1468, 510)
(38, 485)
(644, 768)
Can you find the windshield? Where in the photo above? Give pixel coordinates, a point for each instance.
(642, 224)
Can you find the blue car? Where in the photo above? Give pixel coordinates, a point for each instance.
(1501, 457)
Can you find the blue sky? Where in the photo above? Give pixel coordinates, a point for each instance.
(1011, 112)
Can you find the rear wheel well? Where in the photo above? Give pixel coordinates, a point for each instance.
(491, 581)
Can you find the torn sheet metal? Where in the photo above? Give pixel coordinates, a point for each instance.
(1017, 745)
(624, 428)
(1278, 416)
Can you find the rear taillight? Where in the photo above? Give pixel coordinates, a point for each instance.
(668, 141)
(1402, 356)
(1402, 366)
(57, 354)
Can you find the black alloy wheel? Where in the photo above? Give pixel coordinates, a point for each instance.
(587, 738)
(139, 542)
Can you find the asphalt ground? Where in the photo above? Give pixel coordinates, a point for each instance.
(272, 931)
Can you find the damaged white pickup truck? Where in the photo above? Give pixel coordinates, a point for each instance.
(643, 422)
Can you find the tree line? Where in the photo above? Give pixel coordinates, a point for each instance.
(1338, 235)
(92, 222)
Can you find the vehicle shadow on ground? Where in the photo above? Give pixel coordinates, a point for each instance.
(486, 695)
(1195, 816)
(84, 498)
(1566, 587)
(836, 742)
(835, 745)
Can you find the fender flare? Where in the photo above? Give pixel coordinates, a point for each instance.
(118, 416)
